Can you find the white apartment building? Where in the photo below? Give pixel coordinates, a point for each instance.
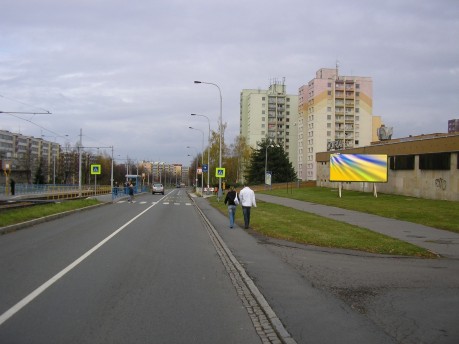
(271, 114)
(334, 112)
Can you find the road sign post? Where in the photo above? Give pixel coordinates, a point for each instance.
(95, 170)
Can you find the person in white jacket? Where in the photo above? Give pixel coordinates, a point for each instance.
(247, 200)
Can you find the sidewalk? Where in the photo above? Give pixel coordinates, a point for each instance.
(307, 313)
(441, 242)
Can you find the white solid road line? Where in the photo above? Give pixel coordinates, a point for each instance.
(21, 304)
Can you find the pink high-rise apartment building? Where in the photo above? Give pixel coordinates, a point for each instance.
(334, 112)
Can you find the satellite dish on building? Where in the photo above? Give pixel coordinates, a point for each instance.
(384, 133)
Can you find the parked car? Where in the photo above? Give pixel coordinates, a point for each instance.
(157, 188)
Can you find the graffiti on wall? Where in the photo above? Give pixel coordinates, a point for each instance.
(440, 183)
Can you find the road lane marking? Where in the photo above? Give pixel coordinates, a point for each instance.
(34, 294)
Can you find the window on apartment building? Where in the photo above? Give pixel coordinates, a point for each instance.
(328, 133)
(263, 112)
(357, 94)
(263, 119)
(263, 132)
(357, 85)
(263, 98)
(329, 93)
(401, 162)
(329, 117)
(356, 142)
(435, 161)
(329, 84)
(357, 110)
(263, 125)
(288, 99)
(329, 109)
(328, 125)
(357, 118)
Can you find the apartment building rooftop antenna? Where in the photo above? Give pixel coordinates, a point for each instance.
(337, 70)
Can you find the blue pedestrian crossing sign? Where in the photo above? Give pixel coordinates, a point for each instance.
(220, 172)
(205, 168)
(96, 169)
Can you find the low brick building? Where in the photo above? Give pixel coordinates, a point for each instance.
(425, 166)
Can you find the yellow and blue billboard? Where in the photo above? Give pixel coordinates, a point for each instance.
(358, 168)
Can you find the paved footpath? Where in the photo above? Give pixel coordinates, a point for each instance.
(439, 241)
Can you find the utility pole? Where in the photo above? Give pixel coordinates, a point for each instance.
(80, 145)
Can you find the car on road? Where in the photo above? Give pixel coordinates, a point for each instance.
(157, 188)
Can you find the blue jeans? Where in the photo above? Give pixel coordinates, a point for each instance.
(246, 212)
(232, 214)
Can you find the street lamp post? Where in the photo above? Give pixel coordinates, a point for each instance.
(271, 145)
(196, 171)
(220, 130)
(208, 151)
(202, 160)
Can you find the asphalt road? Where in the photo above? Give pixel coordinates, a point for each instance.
(157, 276)
(143, 272)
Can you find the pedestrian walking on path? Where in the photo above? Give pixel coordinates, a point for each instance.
(131, 192)
(247, 200)
(232, 200)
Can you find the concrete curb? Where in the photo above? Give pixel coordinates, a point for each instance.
(277, 325)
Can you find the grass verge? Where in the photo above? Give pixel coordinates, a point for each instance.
(14, 216)
(432, 213)
(285, 223)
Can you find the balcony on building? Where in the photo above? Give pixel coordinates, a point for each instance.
(349, 135)
(339, 111)
(349, 111)
(349, 118)
(349, 86)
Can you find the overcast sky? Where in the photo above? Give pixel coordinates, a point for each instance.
(123, 71)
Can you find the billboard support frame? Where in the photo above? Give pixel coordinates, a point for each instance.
(340, 188)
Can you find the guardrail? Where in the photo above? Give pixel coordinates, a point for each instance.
(50, 191)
